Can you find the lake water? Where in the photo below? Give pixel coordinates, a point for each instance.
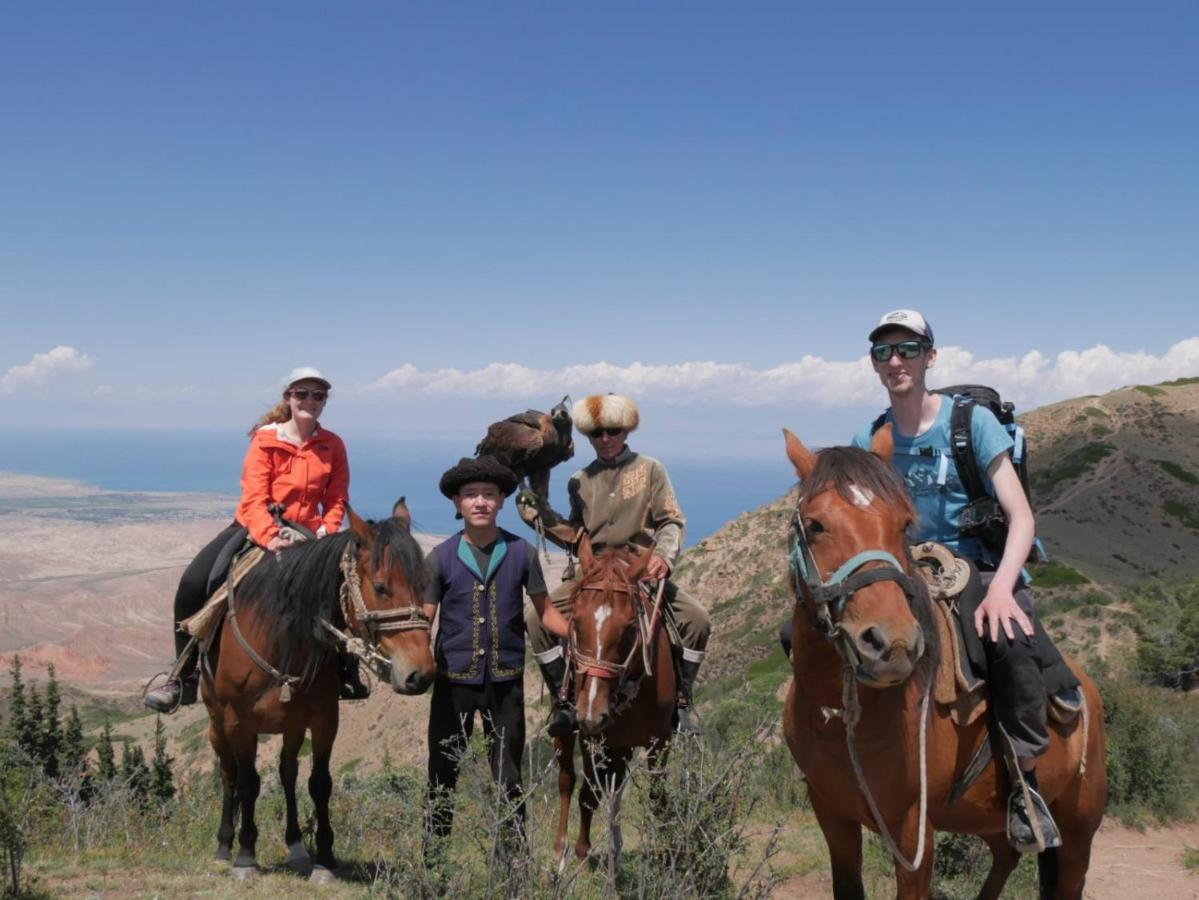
(711, 493)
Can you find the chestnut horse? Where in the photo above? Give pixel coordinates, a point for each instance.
(625, 687)
(368, 581)
(863, 617)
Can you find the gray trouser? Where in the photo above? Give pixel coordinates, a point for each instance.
(694, 625)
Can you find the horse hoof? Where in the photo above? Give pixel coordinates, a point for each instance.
(298, 859)
(245, 873)
(224, 854)
(321, 875)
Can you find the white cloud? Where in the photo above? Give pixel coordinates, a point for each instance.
(1030, 380)
(59, 361)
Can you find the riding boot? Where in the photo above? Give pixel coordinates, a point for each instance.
(562, 717)
(350, 685)
(1020, 831)
(688, 723)
(177, 692)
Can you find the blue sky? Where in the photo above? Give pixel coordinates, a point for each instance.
(197, 198)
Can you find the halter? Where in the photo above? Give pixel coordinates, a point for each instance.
(842, 584)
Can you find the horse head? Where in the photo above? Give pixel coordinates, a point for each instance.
(392, 579)
(850, 565)
(604, 628)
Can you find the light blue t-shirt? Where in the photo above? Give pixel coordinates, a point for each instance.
(926, 464)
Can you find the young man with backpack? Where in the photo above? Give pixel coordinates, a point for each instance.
(948, 448)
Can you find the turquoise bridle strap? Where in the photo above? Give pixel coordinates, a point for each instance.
(856, 562)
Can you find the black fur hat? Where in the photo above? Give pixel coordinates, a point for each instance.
(485, 468)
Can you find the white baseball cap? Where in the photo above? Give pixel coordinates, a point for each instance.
(904, 318)
(305, 373)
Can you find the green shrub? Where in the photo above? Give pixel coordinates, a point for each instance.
(1178, 471)
(1167, 626)
(1182, 513)
(1095, 412)
(1149, 390)
(1152, 744)
(1074, 464)
(1056, 574)
(1178, 382)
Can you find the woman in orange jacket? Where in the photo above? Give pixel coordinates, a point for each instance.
(292, 462)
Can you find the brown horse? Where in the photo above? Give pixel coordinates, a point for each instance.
(625, 687)
(863, 617)
(367, 581)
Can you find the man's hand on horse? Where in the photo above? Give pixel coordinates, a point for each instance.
(999, 608)
(657, 568)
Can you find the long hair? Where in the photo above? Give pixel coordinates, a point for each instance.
(280, 412)
(843, 468)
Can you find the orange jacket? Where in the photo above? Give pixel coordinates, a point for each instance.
(312, 481)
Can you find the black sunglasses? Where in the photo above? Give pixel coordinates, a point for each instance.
(610, 432)
(304, 394)
(905, 349)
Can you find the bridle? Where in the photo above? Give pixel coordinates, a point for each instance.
(366, 625)
(835, 591)
(850, 577)
(647, 618)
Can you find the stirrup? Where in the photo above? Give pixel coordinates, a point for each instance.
(1022, 832)
(687, 723)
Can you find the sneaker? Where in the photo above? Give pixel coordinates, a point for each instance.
(1020, 832)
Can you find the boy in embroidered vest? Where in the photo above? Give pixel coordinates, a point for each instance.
(1020, 660)
(621, 498)
(478, 579)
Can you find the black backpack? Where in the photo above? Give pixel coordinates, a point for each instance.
(983, 518)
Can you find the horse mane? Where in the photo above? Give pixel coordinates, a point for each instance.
(293, 590)
(842, 468)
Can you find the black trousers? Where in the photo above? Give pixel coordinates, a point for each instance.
(204, 575)
(452, 721)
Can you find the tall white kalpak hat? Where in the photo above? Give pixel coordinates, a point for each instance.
(606, 411)
(904, 318)
(305, 373)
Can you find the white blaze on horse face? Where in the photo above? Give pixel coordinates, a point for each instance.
(601, 616)
(591, 695)
(861, 497)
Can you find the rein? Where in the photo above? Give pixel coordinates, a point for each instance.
(647, 622)
(372, 622)
(835, 591)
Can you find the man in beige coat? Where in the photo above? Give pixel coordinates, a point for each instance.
(622, 497)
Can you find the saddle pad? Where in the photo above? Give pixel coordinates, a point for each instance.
(957, 689)
(203, 625)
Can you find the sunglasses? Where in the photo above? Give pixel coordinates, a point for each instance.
(610, 432)
(905, 349)
(304, 394)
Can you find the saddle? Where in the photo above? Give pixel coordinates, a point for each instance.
(203, 625)
(958, 688)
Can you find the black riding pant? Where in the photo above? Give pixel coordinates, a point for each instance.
(1020, 672)
(204, 575)
(501, 705)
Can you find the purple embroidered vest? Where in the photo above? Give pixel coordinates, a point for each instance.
(481, 622)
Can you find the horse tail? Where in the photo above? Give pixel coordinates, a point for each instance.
(1047, 863)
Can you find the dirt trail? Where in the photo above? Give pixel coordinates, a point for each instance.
(1126, 864)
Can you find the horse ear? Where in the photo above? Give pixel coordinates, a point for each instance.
(359, 526)
(401, 513)
(642, 557)
(586, 556)
(882, 444)
(801, 457)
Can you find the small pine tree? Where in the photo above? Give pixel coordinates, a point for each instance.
(106, 760)
(16, 704)
(73, 758)
(50, 738)
(29, 738)
(134, 772)
(162, 780)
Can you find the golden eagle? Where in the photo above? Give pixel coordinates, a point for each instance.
(531, 443)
